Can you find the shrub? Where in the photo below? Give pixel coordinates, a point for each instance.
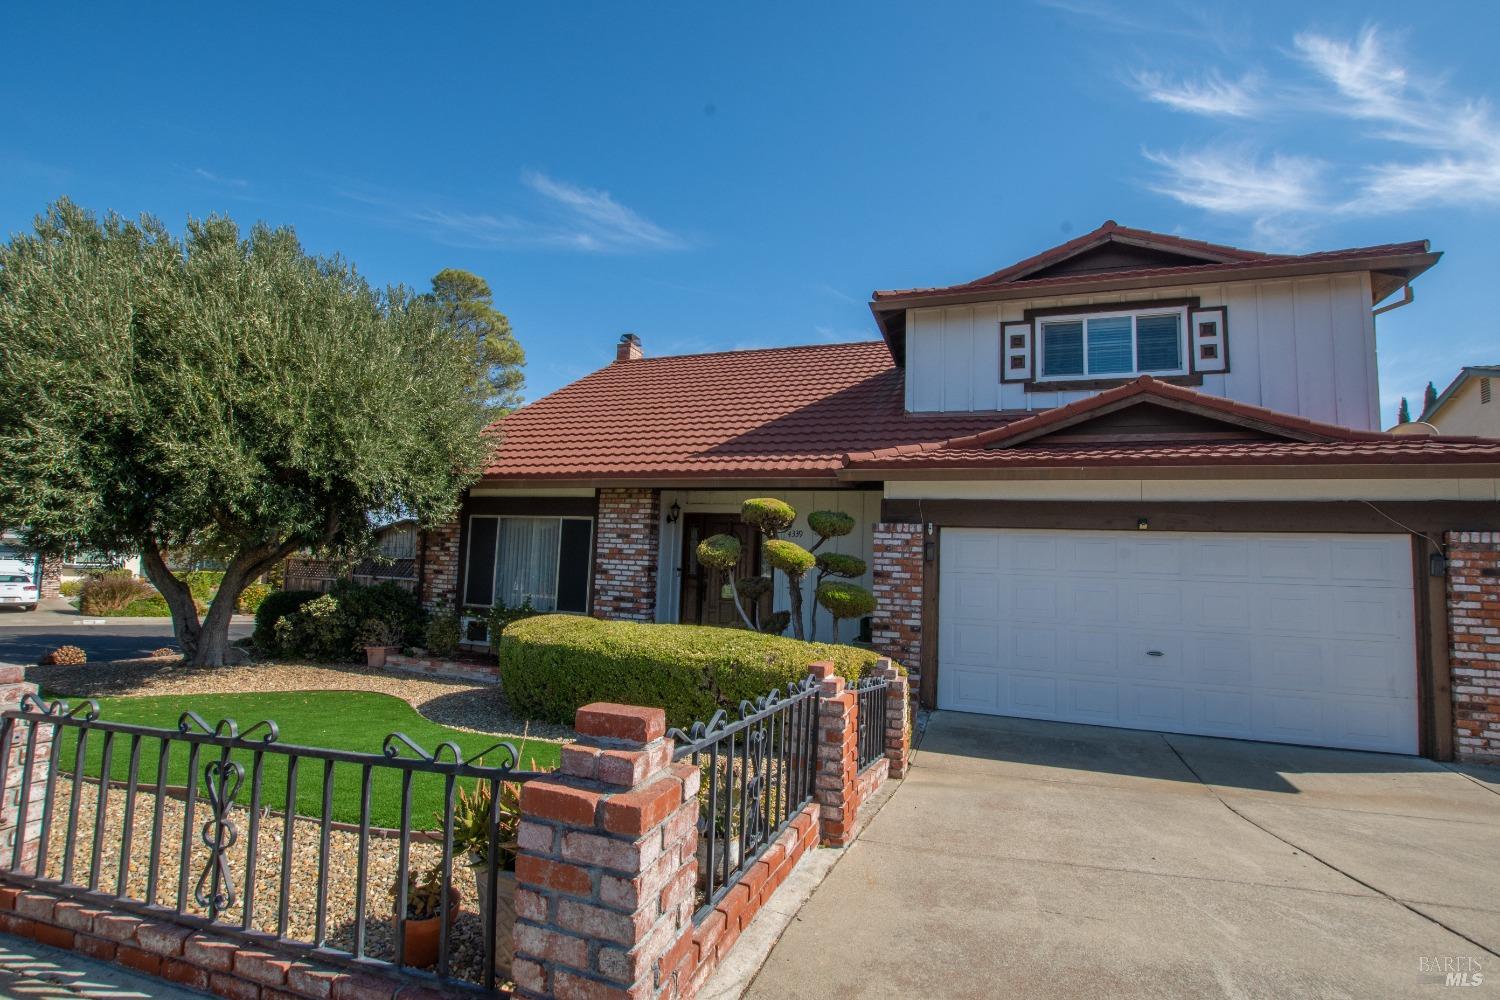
(273, 608)
(251, 597)
(387, 602)
(70, 588)
(154, 606)
(552, 664)
(374, 632)
(317, 630)
(442, 633)
(111, 592)
(767, 514)
(502, 618)
(203, 584)
(844, 600)
(65, 656)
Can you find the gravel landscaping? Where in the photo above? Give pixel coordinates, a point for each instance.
(467, 953)
(479, 708)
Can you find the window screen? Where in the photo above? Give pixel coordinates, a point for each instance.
(1157, 344)
(1062, 348)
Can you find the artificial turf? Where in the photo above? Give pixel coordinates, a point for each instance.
(335, 720)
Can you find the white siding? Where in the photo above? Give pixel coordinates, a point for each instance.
(1305, 347)
(863, 505)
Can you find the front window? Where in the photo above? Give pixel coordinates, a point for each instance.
(1104, 345)
(544, 560)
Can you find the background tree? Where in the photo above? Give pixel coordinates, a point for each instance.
(234, 397)
(1403, 415)
(467, 309)
(1429, 400)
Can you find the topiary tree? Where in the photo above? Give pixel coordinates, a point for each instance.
(721, 553)
(770, 517)
(843, 599)
(222, 394)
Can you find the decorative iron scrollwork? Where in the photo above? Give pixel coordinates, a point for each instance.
(60, 709)
(215, 889)
(391, 747)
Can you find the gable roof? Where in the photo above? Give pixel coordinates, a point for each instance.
(1254, 435)
(780, 413)
(1115, 257)
(1464, 374)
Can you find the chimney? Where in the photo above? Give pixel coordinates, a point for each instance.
(629, 348)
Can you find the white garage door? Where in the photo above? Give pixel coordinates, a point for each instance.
(1286, 637)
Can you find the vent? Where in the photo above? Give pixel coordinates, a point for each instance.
(1484, 390)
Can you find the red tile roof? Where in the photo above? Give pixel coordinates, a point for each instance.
(790, 412)
(1289, 440)
(1215, 258)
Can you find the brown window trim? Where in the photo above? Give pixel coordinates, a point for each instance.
(1055, 385)
(1191, 302)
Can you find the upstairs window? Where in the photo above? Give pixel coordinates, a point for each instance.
(1112, 345)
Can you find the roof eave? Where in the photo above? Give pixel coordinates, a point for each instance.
(1319, 469)
(1411, 264)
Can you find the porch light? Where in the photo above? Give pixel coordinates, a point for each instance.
(673, 512)
(1437, 564)
(1142, 524)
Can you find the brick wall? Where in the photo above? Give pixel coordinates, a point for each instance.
(1474, 642)
(26, 742)
(897, 571)
(438, 566)
(626, 549)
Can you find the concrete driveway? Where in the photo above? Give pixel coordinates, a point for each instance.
(1031, 859)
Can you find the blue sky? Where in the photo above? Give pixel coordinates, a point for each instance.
(717, 176)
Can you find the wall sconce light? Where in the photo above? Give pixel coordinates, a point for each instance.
(674, 512)
(1437, 564)
(1141, 524)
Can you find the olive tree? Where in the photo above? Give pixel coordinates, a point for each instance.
(221, 393)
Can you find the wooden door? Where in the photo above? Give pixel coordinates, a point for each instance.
(706, 599)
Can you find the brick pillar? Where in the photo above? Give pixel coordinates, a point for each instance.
(626, 549)
(50, 587)
(607, 864)
(838, 731)
(437, 586)
(1474, 642)
(897, 716)
(13, 687)
(897, 569)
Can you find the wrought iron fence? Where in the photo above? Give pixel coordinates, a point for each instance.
(97, 810)
(758, 772)
(870, 741)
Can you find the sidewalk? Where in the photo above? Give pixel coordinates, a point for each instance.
(29, 969)
(56, 613)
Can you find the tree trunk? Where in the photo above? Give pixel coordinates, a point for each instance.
(206, 644)
(179, 599)
(794, 594)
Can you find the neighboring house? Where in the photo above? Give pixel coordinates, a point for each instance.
(1470, 404)
(46, 571)
(1135, 480)
(396, 545)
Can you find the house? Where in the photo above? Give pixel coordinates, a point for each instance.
(394, 560)
(1470, 404)
(1135, 480)
(46, 570)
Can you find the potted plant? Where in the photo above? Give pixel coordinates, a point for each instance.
(471, 839)
(421, 925)
(379, 638)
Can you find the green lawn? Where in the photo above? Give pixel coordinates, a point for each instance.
(338, 720)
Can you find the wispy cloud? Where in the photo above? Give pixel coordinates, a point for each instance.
(204, 174)
(1408, 142)
(560, 215)
(1211, 95)
(1185, 20)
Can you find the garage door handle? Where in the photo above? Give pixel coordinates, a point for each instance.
(1155, 652)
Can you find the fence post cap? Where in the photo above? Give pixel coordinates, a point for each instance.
(635, 723)
(822, 669)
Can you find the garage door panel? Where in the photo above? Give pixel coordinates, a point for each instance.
(1295, 638)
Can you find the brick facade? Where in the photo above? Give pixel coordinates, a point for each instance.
(897, 570)
(1474, 642)
(27, 742)
(437, 566)
(626, 543)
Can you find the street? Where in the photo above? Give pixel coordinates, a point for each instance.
(27, 643)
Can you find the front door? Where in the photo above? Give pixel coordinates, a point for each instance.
(706, 597)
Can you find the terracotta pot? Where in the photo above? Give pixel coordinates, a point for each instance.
(424, 936)
(375, 655)
(505, 912)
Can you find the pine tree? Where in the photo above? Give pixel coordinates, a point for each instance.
(466, 308)
(1429, 400)
(1403, 415)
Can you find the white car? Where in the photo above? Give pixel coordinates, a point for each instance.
(17, 590)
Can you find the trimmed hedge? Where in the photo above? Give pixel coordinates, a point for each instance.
(553, 664)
